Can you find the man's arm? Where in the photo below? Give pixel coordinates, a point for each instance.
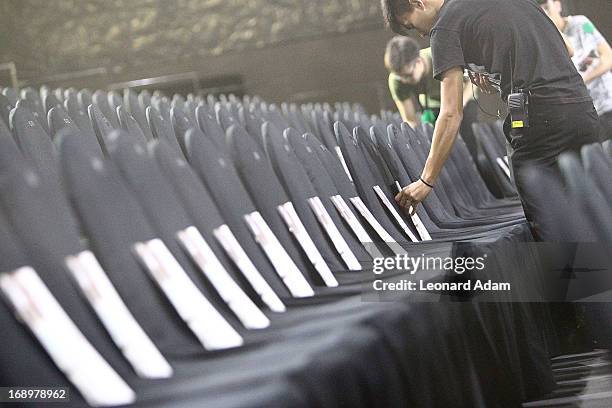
(445, 134)
(407, 109)
(605, 62)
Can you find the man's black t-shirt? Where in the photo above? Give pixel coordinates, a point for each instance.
(490, 36)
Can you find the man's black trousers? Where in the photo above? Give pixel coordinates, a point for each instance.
(553, 130)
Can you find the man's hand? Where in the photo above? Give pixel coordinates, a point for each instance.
(410, 197)
(482, 82)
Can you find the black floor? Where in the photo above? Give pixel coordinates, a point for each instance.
(584, 380)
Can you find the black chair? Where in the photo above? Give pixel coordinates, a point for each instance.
(35, 144)
(102, 126)
(298, 186)
(594, 203)
(32, 99)
(207, 218)
(85, 99)
(133, 107)
(50, 101)
(101, 100)
(11, 94)
(598, 167)
(162, 129)
(210, 127)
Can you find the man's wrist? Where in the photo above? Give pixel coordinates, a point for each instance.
(427, 183)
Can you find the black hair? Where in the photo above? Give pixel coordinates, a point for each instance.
(400, 51)
(391, 9)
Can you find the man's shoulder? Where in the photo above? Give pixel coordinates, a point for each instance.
(393, 80)
(452, 13)
(395, 84)
(457, 14)
(399, 90)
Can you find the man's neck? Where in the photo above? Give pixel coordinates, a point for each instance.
(438, 4)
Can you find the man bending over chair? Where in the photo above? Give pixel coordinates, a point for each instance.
(510, 47)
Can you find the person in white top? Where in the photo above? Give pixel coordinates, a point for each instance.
(592, 57)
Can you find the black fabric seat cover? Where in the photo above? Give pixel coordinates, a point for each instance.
(324, 186)
(231, 197)
(298, 186)
(162, 129)
(113, 221)
(198, 203)
(161, 206)
(266, 192)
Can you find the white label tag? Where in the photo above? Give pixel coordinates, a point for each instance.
(242, 306)
(85, 368)
(234, 250)
(281, 261)
(209, 326)
(501, 163)
(297, 229)
(362, 235)
(365, 213)
(416, 220)
(398, 218)
(125, 331)
(344, 166)
(330, 228)
(352, 221)
(382, 233)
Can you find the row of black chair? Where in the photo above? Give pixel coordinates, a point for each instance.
(218, 251)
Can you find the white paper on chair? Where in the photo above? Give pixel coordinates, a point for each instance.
(297, 229)
(396, 216)
(209, 326)
(72, 353)
(234, 250)
(284, 266)
(126, 333)
(365, 213)
(334, 235)
(200, 252)
(344, 166)
(416, 220)
(352, 221)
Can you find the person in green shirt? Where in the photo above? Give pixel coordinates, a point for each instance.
(415, 91)
(412, 89)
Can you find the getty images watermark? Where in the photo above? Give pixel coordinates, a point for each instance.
(427, 265)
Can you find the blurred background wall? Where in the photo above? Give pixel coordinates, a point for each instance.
(282, 50)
